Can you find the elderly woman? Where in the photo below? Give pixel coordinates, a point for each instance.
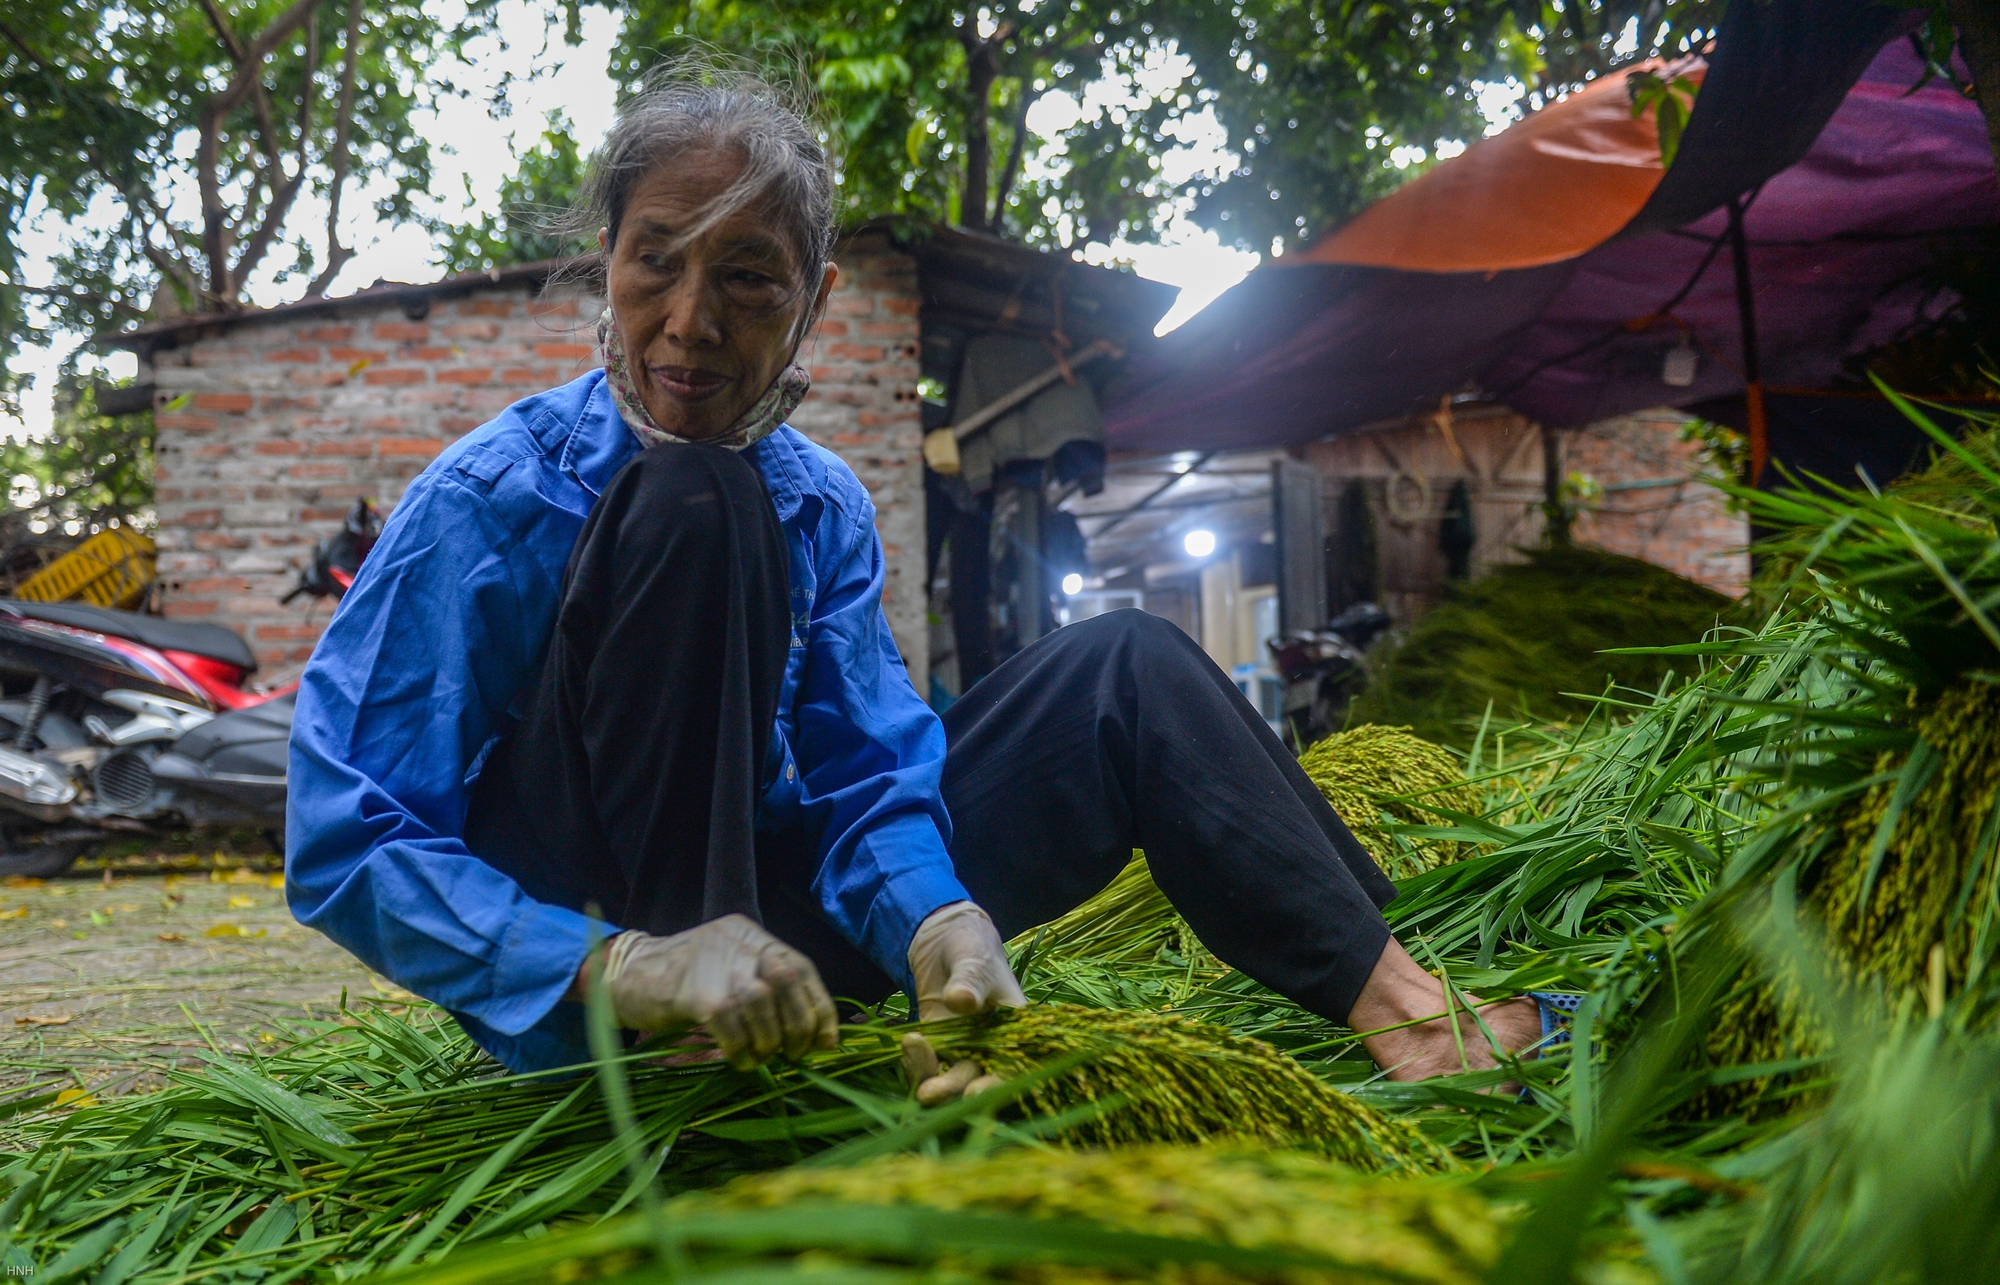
(618, 668)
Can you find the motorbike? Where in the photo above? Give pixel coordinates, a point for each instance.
(115, 722)
(1323, 670)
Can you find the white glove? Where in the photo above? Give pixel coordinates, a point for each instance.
(960, 964)
(756, 995)
(961, 967)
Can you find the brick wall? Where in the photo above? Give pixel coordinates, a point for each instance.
(1650, 505)
(269, 430)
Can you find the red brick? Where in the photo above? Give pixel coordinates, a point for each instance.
(303, 356)
(277, 446)
(405, 332)
(885, 330)
(900, 307)
(218, 540)
(214, 584)
(348, 356)
(396, 376)
(854, 352)
(481, 330)
(552, 308)
(486, 308)
(449, 423)
(183, 421)
(411, 446)
(183, 607)
(833, 330)
(270, 402)
(420, 352)
(566, 352)
(347, 446)
(465, 375)
(387, 424)
(530, 375)
(327, 334)
(199, 518)
(289, 633)
(323, 515)
(312, 472)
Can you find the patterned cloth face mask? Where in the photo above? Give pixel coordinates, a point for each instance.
(760, 421)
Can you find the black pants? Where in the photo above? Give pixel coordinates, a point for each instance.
(632, 780)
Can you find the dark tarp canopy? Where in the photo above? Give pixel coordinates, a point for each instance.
(1805, 109)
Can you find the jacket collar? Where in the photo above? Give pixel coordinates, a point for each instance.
(600, 444)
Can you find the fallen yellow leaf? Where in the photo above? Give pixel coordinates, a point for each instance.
(232, 930)
(75, 1098)
(45, 1019)
(18, 912)
(58, 923)
(276, 880)
(22, 881)
(241, 902)
(244, 874)
(167, 937)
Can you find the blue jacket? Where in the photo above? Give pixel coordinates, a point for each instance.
(432, 654)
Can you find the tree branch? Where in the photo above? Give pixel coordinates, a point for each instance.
(1016, 151)
(22, 45)
(248, 80)
(337, 254)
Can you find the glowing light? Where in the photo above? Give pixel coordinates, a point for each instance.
(1199, 543)
(1072, 584)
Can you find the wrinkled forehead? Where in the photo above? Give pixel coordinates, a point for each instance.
(691, 204)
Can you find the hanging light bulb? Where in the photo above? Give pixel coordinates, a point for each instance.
(1677, 371)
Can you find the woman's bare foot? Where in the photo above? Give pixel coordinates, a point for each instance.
(1399, 991)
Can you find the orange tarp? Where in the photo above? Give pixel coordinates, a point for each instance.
(1550, 187)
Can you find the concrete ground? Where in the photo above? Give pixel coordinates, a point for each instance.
(110, 975)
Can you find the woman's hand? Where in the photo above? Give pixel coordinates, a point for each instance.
(960, 964)
(961, 967)
(757, 996)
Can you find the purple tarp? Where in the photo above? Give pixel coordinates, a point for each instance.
(1839, 243)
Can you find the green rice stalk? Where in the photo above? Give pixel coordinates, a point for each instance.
(1373, 774)
(1166, 1078)
(1175, 1215)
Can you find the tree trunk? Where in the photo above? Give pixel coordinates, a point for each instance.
(1978, 23)
(981, 72)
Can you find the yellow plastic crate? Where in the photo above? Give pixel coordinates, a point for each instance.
(110, 569)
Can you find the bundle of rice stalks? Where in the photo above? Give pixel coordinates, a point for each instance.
(1128, 922)
(1156, 1077)
(1898, 860)
(1368, 773)
(1527, 640)
(1167, 1214)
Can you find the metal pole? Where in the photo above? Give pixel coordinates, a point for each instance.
(1746, 321)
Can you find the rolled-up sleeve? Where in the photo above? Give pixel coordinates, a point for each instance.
(403, 693)
(871, 759)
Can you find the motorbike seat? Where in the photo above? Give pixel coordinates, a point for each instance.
(211, 641)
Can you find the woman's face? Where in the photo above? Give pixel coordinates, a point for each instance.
(707, 322)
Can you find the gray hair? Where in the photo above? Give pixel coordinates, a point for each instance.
(710, 102)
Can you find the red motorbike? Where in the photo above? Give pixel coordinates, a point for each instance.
(117, 722)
